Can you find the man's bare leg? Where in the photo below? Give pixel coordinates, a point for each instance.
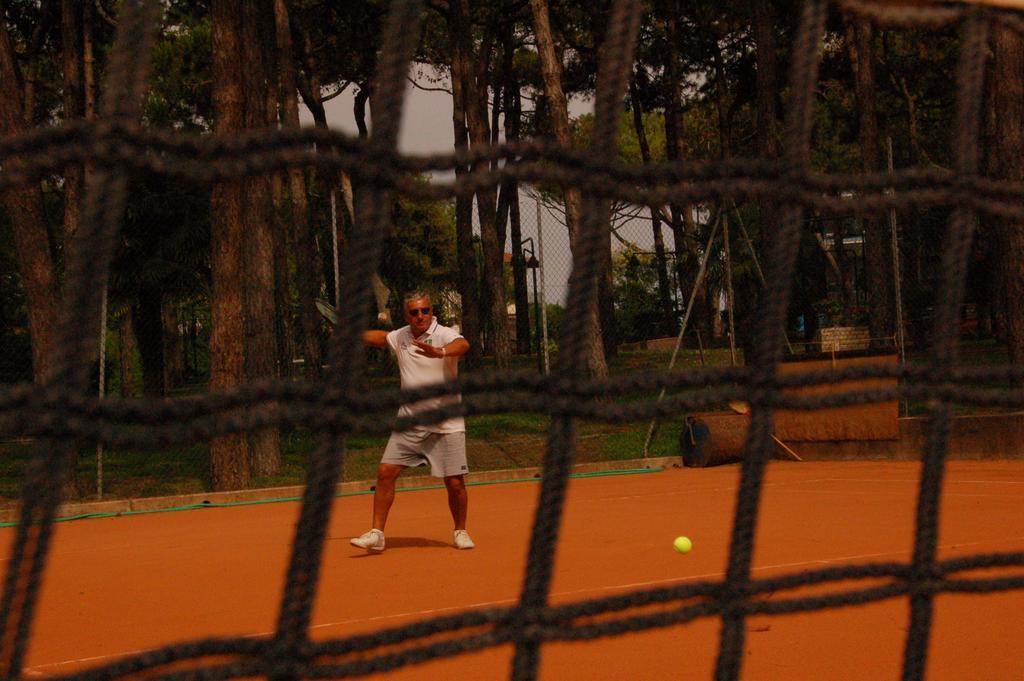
(384, 493)
(458, 499)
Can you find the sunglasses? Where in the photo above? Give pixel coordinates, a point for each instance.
(417, 311)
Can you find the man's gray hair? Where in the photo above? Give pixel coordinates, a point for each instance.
(414, 295)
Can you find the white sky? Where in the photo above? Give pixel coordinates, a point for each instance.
(427, 129)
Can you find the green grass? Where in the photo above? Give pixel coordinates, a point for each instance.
(972, 353)
(495, 441)
(635, 361)
(13, 459)
(506, 426)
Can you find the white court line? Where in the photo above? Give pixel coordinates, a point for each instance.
(992, 482)
(733, 488)
(988, 496)
(836, 492)
(37, 669)
(916, 480)
(693, 490)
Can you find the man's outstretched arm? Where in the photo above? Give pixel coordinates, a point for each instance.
(375, 338)
(456, 348)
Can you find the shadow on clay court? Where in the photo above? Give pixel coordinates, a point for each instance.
(406, 543)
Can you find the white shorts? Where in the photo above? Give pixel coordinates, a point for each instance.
(446, 452)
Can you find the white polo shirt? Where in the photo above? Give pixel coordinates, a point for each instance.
(418, 370)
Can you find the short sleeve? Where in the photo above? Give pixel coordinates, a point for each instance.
(392, 339)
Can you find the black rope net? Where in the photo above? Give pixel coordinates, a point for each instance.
(61, 414)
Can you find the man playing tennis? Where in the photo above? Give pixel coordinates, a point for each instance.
(427, 354)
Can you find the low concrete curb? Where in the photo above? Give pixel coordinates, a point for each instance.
(973, 437)
(215, 499)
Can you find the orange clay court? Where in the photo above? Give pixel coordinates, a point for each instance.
(118, 586)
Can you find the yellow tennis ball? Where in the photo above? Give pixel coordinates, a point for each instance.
(682, 544)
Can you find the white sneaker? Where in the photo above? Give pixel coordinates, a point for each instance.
(371, 541)
(462, 540)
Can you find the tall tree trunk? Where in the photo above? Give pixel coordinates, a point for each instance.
(88, 63)
(990, 306)
(877, 240)
(469, 281)
(558, 110)
(309, 82)
(606, 300)
(359, 105)
(608, 329)
(31, 74)
(74, 107)
(1009, 95)
(747, 303)
(284, 321)
(513, 113)
(521, 289)
(664, 294)
(681, 217)
(229, 457)
(307, 281)
(381, 293)
(722, 104)
(511, 103)
(765, 18)
(261, 354)
(918, 152)
(24, 206)
(495, 312)
(173, 346)
(127, 347)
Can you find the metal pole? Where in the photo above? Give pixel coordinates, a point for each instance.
(543, 301)
(334, 238)
(729, 291)
(894, 234)
(536, 316)
(102, 382)
(897, 288)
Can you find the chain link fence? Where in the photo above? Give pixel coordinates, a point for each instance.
(156, 341)
(701, 274)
